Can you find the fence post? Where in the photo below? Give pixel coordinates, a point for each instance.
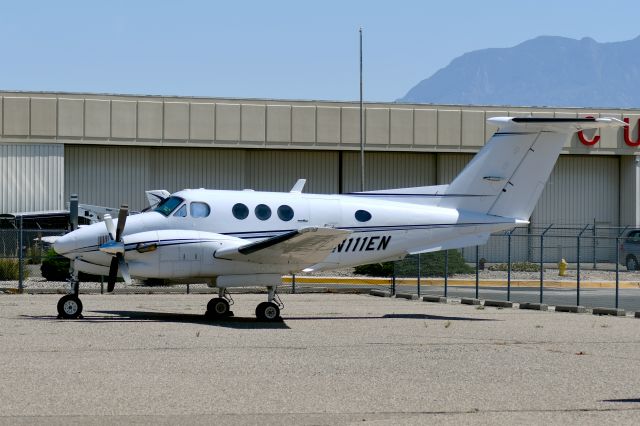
(509, 266)
(617, 269)
(446, 271)
(542, 262)
(419, 271)
(578, 266)
(293, 283)
(477, 270)
(21, 256)
(593, 245)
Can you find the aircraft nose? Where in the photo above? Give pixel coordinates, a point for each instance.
(65, 244)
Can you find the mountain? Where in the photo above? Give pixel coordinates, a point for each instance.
(545, 71)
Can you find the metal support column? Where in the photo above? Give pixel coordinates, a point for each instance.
(446, 272)
(419, 272)
(578, 265)
(542, 262)
(509, 265)
(477, 271)
(21, 255)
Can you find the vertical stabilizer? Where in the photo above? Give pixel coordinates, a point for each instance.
(507, 176)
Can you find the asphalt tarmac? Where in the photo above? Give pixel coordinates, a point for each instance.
(335, 359)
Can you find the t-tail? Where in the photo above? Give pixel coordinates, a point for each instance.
(507, 176)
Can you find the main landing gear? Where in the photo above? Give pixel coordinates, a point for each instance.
(219, 307)
(70, 306)
(270, 311)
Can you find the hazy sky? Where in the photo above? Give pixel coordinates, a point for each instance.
(273, 49)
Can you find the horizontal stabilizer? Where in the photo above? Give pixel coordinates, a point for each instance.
(305, 246)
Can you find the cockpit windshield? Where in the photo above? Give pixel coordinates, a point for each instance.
(168, 205)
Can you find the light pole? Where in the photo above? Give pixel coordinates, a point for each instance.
(361, 121)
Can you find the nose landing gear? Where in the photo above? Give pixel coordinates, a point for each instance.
(70, 306)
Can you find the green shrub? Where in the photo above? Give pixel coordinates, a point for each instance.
(56, 268)
(516, 267)
(10, 270)
(34, 255)
(431, 265)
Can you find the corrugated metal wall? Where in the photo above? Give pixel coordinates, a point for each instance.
(268, 170)
(450, 165)
(32, 177)
(384, 170)
(174, 169)
(107, 176)
(581, 189)
(110, 176)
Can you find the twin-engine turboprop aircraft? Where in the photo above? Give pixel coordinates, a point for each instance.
(247, 238)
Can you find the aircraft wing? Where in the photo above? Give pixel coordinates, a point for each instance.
(305, 246)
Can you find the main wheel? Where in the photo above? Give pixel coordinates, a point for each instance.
(69, 307)
(632, 263)
(267, 311)
(218, 307)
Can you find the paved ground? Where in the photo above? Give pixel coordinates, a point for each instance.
(336, 359)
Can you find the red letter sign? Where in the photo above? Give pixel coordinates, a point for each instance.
(627, 136)
(586, 141)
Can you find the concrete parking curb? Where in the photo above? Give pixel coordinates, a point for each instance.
(534, 306)
(408, 296)
(571, 308)
(380, 293)
(435, 299)
(609, 311)
(498, 303)
(469, 301)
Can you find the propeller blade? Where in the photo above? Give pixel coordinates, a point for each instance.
(124, 268)
(122, 219)
(113, 274)
(111, 229)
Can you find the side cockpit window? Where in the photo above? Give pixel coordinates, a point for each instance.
(199, 209)
(168, 205)
(182, 211)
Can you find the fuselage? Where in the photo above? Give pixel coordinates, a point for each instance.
(179, 238)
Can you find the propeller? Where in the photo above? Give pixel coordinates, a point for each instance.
(115, 247)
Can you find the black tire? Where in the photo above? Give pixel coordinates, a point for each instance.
(632, 263)
(69, 307)
(268, 311)
(218, 307)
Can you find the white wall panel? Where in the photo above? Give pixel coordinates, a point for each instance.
(303, 124)
(98, 118)
(43, 116)
(278, 123)
(124, 121)
(71, 117)
(32, 177)
(202, 122)
(16, 116)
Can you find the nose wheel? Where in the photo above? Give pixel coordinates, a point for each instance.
(69, 307)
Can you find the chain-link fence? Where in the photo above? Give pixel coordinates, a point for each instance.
(21, 254)
(591, 265)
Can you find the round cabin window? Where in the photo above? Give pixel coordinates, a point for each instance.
(285, 213)
(263, 212)
(240, 211)
(363, 216)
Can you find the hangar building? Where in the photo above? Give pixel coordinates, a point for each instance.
(111, 148)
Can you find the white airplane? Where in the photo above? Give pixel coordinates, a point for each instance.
(250, 238)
